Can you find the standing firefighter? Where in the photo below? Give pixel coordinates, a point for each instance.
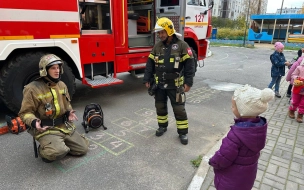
(46, 109)
(169, 73)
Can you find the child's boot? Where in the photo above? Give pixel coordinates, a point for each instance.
(277, 94)
(300, 118)
(291, 114)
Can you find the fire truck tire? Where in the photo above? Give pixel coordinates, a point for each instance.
(15, 75)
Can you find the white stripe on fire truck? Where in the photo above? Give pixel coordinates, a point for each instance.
(38, 15)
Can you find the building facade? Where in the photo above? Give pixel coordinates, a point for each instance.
(232, 9)
(289, 11)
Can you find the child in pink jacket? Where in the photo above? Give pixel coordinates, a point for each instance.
(297, 61)
(293, 68)
(297, 100)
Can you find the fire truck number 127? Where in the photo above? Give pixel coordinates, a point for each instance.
(199, 18)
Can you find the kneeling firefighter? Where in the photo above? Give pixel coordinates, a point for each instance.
(171, 68)
(47, 110)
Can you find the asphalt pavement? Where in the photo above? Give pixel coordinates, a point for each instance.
(128, 155)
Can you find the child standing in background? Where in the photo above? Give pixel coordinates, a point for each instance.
(292, 67)
(278, 67)
(235, 164)
(297, 100)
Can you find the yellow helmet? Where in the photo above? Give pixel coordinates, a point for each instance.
(49, 60)
(165, 24)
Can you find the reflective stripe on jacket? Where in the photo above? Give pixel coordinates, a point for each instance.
(36, 96)
(163, 59)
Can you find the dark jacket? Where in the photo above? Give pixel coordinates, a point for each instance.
(235, 163)
(162, 60)
(278, 64)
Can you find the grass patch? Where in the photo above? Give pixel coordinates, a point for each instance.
(231, 34)
(291, 48)
(197, 161)
(232, 45)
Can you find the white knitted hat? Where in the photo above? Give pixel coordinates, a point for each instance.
(251, 101)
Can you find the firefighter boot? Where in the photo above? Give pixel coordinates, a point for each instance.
(300, 118)
(291, 114)
(46, 160)
(183, 139)
(160, 131)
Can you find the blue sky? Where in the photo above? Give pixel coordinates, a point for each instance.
(273, 5)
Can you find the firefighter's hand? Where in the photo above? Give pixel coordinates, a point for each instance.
(72, 116)
(147, 84)
(187, 88)
(39, 128)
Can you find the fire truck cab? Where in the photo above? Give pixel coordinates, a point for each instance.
(97, 39)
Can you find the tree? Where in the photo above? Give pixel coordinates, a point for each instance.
(255, 6)
(215, 22)
(241, 22)
(218, 22)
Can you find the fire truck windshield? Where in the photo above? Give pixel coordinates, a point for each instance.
(193, 2)
(197, 2)
(167, 3)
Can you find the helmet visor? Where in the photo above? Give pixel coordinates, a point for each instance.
(157, 28)
(55, 63)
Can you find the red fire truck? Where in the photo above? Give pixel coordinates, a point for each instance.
(97, 39)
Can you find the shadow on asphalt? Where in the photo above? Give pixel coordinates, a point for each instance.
(4, 111)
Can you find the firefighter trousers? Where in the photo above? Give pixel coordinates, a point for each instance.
(161, 99)
(56, 146)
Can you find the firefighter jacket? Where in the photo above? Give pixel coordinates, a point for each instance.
(44, 100)
(172, 65)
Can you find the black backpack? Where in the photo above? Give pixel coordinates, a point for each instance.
(92, 117)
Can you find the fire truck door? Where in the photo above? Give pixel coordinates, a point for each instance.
(97, 40)
(94, 49)
(196, 17)
(174, 10)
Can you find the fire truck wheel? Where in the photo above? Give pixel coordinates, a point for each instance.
(21, 70)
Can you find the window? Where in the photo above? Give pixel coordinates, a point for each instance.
(95, 16)
(167, 3)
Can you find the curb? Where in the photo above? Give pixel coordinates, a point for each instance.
(199, 177)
